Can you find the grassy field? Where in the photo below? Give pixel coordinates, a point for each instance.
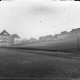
(56, 60)
(27, 64)
(53, 60)
(66, 45)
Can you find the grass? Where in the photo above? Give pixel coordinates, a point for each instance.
(16, 64)
(42, 60)
(70, 44)
(65, 45)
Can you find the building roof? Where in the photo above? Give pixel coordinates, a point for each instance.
(15, 36)
(5, 33)
(75, 30)
(64, 32)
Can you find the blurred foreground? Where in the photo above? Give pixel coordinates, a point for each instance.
(32, 64)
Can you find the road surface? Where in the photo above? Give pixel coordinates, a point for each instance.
(25, 64)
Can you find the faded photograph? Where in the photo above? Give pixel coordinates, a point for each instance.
(39, 40)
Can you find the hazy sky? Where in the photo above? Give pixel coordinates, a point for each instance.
(34, 18)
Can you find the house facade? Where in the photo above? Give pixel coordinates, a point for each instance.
(6, 39)
(15, 39)
(75, 32)
(62, 35)
(47, 38)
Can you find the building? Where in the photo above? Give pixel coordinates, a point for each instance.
(74, 33)
(62, 35)
(75, 30)
(46, 38)
(7, 39)
(15, 39)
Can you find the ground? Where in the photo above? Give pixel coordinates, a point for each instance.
(30, 64)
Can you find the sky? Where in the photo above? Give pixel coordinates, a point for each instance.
(35, 18)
